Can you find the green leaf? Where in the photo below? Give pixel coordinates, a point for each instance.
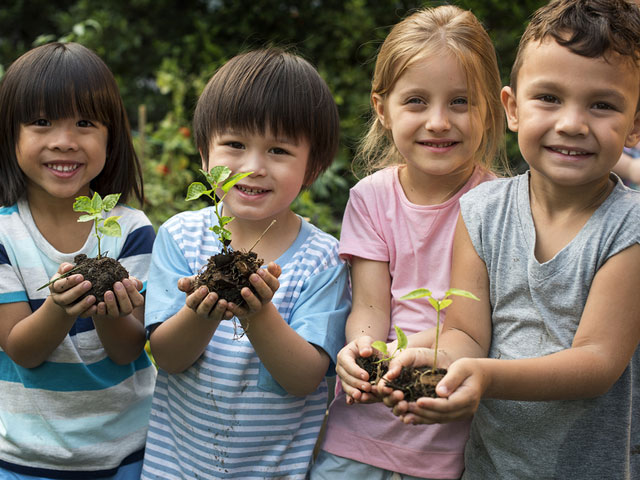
(402, 338)
(435, 303)
(380, 346)
(225, 220)
(217, 229)
(110, 201)
(419, 293)
(111, 227)
(96, 202)
(233, 180)
(87, 218)
(217, 175)
(196, 190)
(82, 204)
(226, 234)
(444, 303)
(462, 293)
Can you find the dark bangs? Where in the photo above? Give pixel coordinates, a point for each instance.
(270, 89)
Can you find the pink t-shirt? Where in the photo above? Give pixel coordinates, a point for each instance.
(381, 224)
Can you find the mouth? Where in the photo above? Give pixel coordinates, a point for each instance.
(63, 167)
(569, 152)
(251, 190)
(438, 144)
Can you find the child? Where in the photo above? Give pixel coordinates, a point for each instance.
(249, 407)
(438, 127)
(76, 384)
(553, 254)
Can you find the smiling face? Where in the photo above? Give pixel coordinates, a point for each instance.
(573, 114)
(60, 157)
(430, 118)
(278, 165)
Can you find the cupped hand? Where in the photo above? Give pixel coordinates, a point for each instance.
(67, 292)
(355, 381)
(265, 282)
(122, 300)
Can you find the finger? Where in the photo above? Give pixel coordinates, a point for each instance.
(70, 296)
(271, 280)
(274, 269)
(262, 288)
(80, 308)
(122, 296)
(64, 267)
(253, 302)
(101, 308)
(66, 283)
(208, 304)
(186, 284)
(193, 300)
(135, 297)
(110, 305)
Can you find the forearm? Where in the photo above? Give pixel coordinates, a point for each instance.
(34, 338)
(574, 373)
(180, 340)
(367, 321)
(123, 338)
(297, 365)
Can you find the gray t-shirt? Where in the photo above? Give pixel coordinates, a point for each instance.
(536, 309)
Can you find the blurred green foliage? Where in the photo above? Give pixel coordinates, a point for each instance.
(162, 53)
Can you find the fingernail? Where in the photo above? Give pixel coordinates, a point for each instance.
(261, 272)
(118, 286)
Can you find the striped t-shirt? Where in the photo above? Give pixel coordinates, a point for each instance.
(225, 416)
(78, 415)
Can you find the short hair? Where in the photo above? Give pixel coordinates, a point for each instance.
(591, 28)
(62, 80)
(270, 89)
(426, 33)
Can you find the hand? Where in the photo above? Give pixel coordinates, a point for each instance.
(122, 301)
(355, 380)
(265, 282)
(187, 285)
(66, 292)
(460, 392)
(206, 304)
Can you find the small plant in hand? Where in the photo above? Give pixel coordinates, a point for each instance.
(228, 272)
(377, 365)
(417, 382)
(101, 271)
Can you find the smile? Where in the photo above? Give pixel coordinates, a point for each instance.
(251, 191)
(62, 168)
(564, 151)
(438, 145)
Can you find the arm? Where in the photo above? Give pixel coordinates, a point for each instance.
(297, 365)
(29, 337)
(119, 321)
(628, 168)
(368, 321)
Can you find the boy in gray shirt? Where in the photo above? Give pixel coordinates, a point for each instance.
(553, 254)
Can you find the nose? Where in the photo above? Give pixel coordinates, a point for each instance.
(254, 161)
(571, 121)
(437, 119)
(63, 138)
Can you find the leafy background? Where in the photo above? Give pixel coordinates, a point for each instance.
(163, 52)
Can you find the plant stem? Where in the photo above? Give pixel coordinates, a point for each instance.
(435, 353)
(262, 235)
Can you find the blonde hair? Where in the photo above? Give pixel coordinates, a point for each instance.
(425, 33)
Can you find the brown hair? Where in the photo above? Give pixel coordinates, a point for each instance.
(425, 33)
(61, 80)
(590, 28)
(270, 89)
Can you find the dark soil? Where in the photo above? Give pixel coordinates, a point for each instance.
(375, 370)
(228, 273)
(101, 272)
(417, 382)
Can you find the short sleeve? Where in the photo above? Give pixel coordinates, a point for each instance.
(360, 235)
(168, 265)
(11, 288)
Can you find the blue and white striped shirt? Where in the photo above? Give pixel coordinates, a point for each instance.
(78, 415)
(225, 416)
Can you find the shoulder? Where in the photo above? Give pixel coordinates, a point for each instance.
(190, 221)
(488, 194)
(318, 251)
(376, 182)
(131, 216)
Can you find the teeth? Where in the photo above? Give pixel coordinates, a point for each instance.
(62, 168)
(251, 191)
(441, 145)
(568, 152)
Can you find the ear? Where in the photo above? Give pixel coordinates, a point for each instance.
(634, 135)
(378, 105)
(508, 98)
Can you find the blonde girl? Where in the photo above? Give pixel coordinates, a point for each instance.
(437, 130)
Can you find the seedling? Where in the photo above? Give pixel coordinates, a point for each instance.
(438, 304)
(94, 208)
(220, 179)
(382, 347)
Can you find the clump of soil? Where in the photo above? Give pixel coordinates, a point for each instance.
(228, 273)
(417, 382)
(373, 367)
(101, 272)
